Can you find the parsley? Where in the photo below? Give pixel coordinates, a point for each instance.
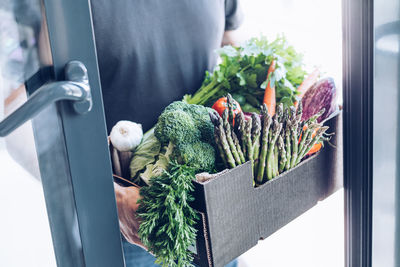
(167, 227)
(243, 71)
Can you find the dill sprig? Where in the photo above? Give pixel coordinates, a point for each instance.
(167, 227)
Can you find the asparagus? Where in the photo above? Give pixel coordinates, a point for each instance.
(241, 125)
(306, 144)
(292, 113)
(270, 143)
(275, 161)
(238, 147)
(315, 116)
(230, 103)
(220, 132)
(229, 157)
(228, 132)
(299, 110)
(285, 118)
(312, 142)
(282, 154)
(276, 129)
(256, 132)
(220, 148)
(295, 142)
(266, 123)
(215, 118)
(288, 145)
(299, 114)
(279, 113)
(306, 134)
(249, 143)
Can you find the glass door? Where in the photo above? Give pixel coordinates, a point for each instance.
(317, 34)
(56, 188)
(371, 123)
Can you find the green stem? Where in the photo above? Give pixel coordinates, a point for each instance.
(266, 123)
(288, 148)
(220, 149)
(204, 93)
(295, 144)
(282, 153)
(276, 157)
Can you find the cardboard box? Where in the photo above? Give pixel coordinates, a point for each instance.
(235, 215)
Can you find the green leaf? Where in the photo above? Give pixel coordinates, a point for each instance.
(264, 84)
(244, 70)
(252, 80)
(241, 78)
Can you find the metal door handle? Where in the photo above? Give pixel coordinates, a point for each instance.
(76, 89)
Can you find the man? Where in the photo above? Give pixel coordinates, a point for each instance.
(150, 53)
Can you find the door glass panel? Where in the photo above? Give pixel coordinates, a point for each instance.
(25, 65)
(386, 148)
(314, 28)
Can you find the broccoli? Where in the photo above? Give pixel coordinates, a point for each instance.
(199, 155)
(181, 123)
(176, 126)
(186, 134)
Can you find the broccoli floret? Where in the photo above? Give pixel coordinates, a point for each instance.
(199, 155)
(203, 123)
(178, 120)
(189, 128)
(176, 105)
(176, 126)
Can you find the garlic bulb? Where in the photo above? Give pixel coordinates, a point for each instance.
(126, 135)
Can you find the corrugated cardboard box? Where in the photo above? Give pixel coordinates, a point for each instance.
(235, 215)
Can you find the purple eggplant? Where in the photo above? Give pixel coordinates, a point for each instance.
(322, 94)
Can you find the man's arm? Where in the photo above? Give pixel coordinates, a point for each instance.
(231, 38)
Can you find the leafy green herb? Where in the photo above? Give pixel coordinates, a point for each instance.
(243, 71)
(167, 227)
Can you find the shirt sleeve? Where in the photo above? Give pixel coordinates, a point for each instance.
(233, 15)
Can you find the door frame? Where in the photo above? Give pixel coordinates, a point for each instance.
(358, 59)
(71, 37)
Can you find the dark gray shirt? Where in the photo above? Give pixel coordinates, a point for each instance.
(152, 52)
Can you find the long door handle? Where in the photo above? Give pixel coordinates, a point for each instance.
(76, 88)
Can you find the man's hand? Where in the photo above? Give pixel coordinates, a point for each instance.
(127, 198)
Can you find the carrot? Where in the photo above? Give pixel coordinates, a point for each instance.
(307, 83)
(269, 95)
(315, 149)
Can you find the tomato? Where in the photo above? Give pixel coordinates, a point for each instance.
(221, 104)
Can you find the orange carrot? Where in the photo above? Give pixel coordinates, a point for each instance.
(315, 149)
(269, 95)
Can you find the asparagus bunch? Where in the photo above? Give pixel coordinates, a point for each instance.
(273, 144)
